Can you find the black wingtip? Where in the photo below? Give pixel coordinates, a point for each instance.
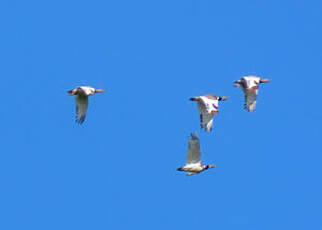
(80, 120)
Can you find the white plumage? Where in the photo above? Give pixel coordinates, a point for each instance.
(81, 98)
(208, 107)
(193, 162)
(250, 86)
(194, 150)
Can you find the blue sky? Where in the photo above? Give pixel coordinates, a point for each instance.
(118, 169)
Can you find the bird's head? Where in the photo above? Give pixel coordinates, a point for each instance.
(223, 98)
(99, 90)
(264, 80)
(210, 166)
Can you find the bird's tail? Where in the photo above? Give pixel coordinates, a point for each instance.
(194, 99)
(71, 92)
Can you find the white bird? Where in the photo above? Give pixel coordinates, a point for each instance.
(193, 162)
(208, 107)
(250, 86)
(81, 96)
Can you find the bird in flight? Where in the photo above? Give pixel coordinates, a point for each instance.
(193, 162)
(208, 108)
(81, 97)
(250, 86)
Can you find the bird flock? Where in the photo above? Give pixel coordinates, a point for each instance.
(208, 107)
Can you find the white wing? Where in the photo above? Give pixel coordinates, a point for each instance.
(194, 151)
(250, 99)
(206, 117)
(81, 108)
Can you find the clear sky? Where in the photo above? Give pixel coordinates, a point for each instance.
(118, 169)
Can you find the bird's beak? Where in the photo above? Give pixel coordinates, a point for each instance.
(99, 90)
(264, 80)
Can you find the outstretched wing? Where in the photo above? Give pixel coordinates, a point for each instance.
(81, 108)
(207, 109)
(194, 151)
(206, 119)
(250, 99)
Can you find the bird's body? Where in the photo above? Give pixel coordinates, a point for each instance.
(208, 108)
(193, 162)
(81, 98)
(250, 86)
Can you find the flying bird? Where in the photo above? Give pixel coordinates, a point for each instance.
(193, 162)
(81, 96)
(208, 107)
(250, 86)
